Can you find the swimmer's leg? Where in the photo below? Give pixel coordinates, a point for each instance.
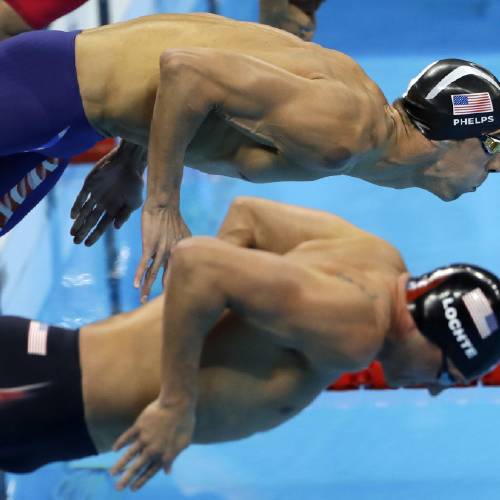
(39, 94)
(25, 179)
(41, 403)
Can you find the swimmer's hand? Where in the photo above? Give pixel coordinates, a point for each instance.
(110, 193)
(162, 228)
(157, 437)
(291, 19)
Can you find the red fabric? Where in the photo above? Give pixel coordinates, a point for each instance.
(40, 13)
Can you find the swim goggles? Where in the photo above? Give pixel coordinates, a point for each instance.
(491, 144)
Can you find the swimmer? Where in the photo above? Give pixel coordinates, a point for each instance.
(254, 325)
(249, 101)
(295, 16)
(227, 98)
(18, 16)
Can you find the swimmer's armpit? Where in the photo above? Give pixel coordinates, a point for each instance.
(278, 227)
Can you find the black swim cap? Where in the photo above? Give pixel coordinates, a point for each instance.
(458, 309)
(453, 99)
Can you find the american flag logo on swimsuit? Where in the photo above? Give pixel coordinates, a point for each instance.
(37, 338)
(470, 104)
(481, 313)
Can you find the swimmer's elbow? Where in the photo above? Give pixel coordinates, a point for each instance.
(186, 74)
(174, 61)
(183, 65)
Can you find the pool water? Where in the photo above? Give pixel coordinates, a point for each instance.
(348, 445)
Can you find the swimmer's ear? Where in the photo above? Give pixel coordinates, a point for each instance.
(403, 278)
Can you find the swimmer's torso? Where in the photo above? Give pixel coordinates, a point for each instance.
(118, 71)
(247, 382)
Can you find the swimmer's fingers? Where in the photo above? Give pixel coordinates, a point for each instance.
(135, 468)
(150, 276)
(101, 227)
(89, 223)
(91, 189)
(146, 475)
(149, 246)
(78, 204)
(126, 438)
(82, 216)
(162, 228)
(122, 216)
(142, 463)
(119, 467)
(141, 269)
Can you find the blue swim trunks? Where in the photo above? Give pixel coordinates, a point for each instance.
(42, 121)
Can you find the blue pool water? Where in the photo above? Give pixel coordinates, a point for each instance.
(350, 445)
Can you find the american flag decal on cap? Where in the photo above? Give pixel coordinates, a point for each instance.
(470, 104)
(481, 313)
(37, 338)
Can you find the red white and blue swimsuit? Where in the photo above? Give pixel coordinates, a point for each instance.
(42, 121)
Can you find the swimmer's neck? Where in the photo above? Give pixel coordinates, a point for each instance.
(407, 357)
(408, 143)
(405, 156)
(402, 325)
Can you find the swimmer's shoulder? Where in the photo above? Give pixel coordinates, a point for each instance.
(367, 249)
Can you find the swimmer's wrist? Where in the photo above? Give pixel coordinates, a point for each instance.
(163, 197)
(163, 202)
(135, 157)
(185, 404)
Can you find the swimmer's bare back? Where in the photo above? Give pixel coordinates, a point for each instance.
(119, 75)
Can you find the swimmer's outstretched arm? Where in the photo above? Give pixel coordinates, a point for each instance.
(271, 105)
(278, 227)
(337, 322)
